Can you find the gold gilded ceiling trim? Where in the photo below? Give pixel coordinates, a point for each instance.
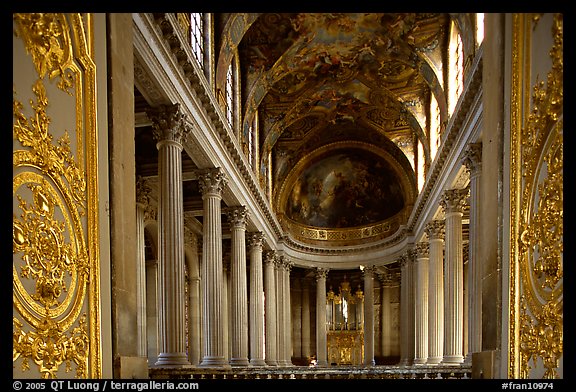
(56, 272)
(536, 245)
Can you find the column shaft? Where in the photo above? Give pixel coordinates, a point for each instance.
(237, 217)
(211, 184)
(435, 231)
(169, 127)
(473, 161)
(141, 281)
(321, 337)
(256, 300)
(287, 314)
(369, 316)
(270, 310)
(453, 284)
(421, 304)
(305, 319)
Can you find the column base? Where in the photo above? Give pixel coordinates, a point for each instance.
(452, 360)
(420, 361)
(239, 362)
(214, 362)
(271, 363)
(172, 359)
(434, 360)
(257, 362)
(322, 363)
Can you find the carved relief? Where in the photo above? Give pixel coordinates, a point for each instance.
(536, 344)
(55, 245)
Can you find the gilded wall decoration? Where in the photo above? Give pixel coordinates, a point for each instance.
(56, 316)
(536, 274)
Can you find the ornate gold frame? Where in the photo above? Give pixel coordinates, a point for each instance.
(56, 271)
(536, 206)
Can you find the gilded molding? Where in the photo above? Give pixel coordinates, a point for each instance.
(536, 270)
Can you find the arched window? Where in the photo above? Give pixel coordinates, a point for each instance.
(197, 37)
(230, 96)
(252, 142)
(434, 126)
(455, 68)
(479, 29)
(420, 168)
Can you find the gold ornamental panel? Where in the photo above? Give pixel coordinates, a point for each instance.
(537, 161)
(55, 233)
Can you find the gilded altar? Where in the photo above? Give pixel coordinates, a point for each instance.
(345, 347)
(345, 325)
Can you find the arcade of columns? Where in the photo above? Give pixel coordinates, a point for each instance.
(432, 310)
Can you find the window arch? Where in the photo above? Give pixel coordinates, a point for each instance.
(479, 29)
(197, 40)
(455, 83)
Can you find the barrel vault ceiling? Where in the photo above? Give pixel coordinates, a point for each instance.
(341, 101)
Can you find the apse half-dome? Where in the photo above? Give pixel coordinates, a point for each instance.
(344, 193)
(345, 189)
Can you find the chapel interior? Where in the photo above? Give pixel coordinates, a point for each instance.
(288, 195)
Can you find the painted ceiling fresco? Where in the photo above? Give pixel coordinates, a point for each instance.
(346, 189)
(316, 78)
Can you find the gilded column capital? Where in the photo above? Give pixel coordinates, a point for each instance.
(472, 158)
(422, 250)
(237, 216)
(211, 181)
(454, 200)
(435, 229)
(255, 239)
(321, 273)
(169, 123)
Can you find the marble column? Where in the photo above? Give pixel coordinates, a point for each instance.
(170, 128)
(255, 241)
(306, 352)
(211, 182)
(368, 273)
(194, 323)
(407, 309)
(421, 303)
(152, 311)
(385, 314)
(321, 337)
(271, 348)
(280, 314)
(141, 281)
(287, 319)
(435, 232)
(452, 203)
(237, 216)
(473, 161)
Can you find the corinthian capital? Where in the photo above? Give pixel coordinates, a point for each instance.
(270, 257)
(453, 200)
(321, 273)
(169, 123)
(237, 216)
(211, 180)
(422, 250)
(255, 239)
(435, 229)
(472, 158)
